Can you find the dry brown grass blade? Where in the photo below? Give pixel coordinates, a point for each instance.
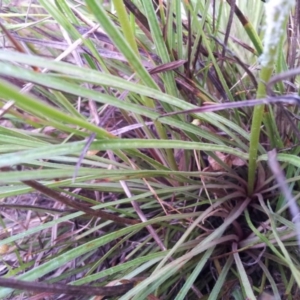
(58, 197)
(167, 67)
(228, 28)
(140, 18)
(17, 45)
(290, 100)
(58, 288)
(238, 13)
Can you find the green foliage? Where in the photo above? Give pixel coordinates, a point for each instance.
(81, 115)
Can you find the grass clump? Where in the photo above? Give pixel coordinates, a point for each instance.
(133, 164)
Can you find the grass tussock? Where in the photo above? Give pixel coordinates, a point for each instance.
(149, 150)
